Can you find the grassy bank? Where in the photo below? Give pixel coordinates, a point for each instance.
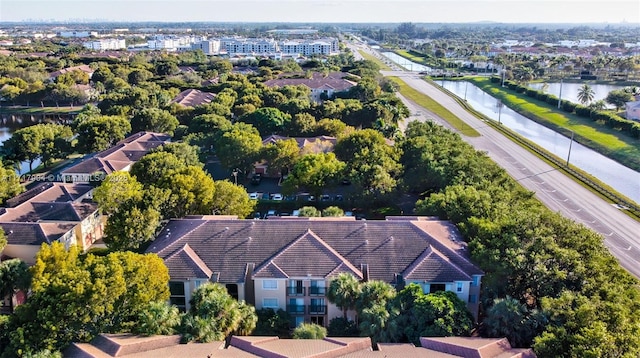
(368, 56)
(40, 110)
(435, 107)
(607, 141)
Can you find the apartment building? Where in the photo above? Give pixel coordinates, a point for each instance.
(49, 212)
(243, 46)
(105, 44)
(327, 46)
(288, 263)
(119, 157)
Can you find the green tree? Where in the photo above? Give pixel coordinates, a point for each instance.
(192, 192)
(343, 291)
(332, 211)
(100, 133)
(40, 141)
(309, 212)
(75, 297)
(239, 147)
(314, 172)
(9, 187)
(131, 225)
(512, 319)
(371, 163)
(309, 331)
(158, 318)
(117, 188)
(14, 275)
(281, 156)
(267, 120)
(585, 94)
(618, 98)
(231, 199)
(272, 323)
(154, 120)
(213, 315)
(154, 166)
(188, 154)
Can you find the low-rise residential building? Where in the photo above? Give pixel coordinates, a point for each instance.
(244, 46)
(49, 212)
(326, 47)
(288, 263)
(84, 68)
(129, 346)
(323, 86)
(192, 98)
(105, 44)
(209, 47)
(119, 157)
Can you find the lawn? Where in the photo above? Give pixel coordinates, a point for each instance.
(427, 102)
(372, 58)
(605, 140)
(40, 110)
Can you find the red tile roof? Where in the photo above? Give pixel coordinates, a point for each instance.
(193, 97)
(120, 156)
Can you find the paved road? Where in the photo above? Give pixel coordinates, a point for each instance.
(557, 191)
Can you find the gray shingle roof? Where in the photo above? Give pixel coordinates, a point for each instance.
(322, 247)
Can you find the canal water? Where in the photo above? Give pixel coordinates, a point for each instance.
(5, 133)
(570, 90)
(616, 175)
(408, 65)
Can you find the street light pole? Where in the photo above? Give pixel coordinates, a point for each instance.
(560, 94)
(570, 143)
(465, 90)
(499, 105)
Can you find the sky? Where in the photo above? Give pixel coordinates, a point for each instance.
(349, 11)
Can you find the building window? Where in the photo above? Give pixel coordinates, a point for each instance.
(317, 288)
(435, 287)
(270, 303)
(476, 281)
(199, 283)
(459, 287)
(178, 297)
(270, 285)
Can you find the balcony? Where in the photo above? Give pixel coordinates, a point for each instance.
(317, 291)
(295, 291)
(317, 309)
(295, 309)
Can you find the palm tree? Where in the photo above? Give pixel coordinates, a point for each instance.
(14, 275)
(585, 94)
(344, 291)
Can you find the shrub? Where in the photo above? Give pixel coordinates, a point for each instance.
(583, 111)
(342, 327)
(568, 107)
(309, 331)
(533, 93)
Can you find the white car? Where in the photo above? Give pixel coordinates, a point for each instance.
(277, 197)
(254, 196)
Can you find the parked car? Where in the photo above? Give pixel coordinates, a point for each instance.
(270, 213)
(325, 197)
(295, 213)
(256, 179)
(339, 197)
(276, 196)
(255, 196)
(257, 215)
